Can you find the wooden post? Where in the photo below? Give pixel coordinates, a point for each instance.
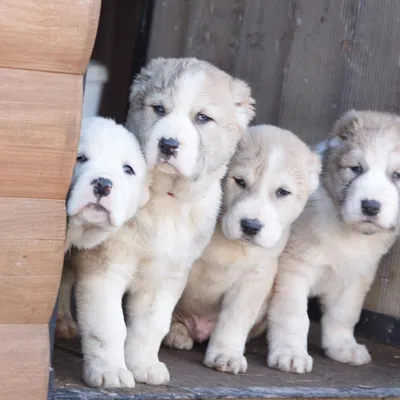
(45, 46)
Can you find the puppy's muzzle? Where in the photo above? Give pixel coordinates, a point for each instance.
(168, 147)
(370, 208)
(250, 227)
(101, 187)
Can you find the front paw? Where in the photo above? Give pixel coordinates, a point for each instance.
(152, 374)
(66, 328)
(354, 354)
(107, 376)
(178, 337)
(290, 359)
(226, 363)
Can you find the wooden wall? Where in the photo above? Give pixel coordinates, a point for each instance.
(306, 60)
(44, 50)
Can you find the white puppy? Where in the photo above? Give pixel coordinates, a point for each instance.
(337, 242)
(267, 186)
(107, 187)
(188, 116)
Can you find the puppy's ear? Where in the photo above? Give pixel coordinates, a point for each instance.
(244, 103)
(314, 170)
(346, 126)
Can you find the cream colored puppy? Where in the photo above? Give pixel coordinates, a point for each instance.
(188, 116)
(337, 242)
(108, 185)
(267, 186)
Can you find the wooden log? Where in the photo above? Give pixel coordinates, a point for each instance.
(48, 35)
(45, 46)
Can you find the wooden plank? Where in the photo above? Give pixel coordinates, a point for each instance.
(24, 357)
(29, 299)
(265, 45)
(191, 380)
(39, 126)
(29, 257)
(208, 30)
(32, 219)
(372, 82)
(312, 88)
(48, 35)
(170, 20)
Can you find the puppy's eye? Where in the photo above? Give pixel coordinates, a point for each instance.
(159, 110)
(357, 169)
(282, 192)
(81, 159)
(200, 117)
(129, 170)
(396, 176)
(240, 182)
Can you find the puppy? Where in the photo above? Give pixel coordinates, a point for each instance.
(335, 246)
(266, 188)
(108, 185)
(188, 116)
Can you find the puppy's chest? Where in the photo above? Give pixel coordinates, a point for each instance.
(175, 231)
(350, 260)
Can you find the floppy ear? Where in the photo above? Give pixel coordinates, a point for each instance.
(346, 126)
(314, 170)
(139, 84)
(244, 103)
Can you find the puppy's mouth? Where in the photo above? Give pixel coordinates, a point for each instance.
(371, 227)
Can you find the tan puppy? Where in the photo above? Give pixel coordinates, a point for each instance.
(188, 116)
(108, 185)
(267, 186)
(337, 242)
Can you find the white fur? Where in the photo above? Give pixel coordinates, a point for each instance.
(107, 148)
(226, 295)
(150, 259)
(333, 251)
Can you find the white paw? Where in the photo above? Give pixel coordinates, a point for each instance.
(290, 359)
(178, 337)
(154, 374)
(66, 328)
(107, 376)
(355, 354)
(225, 363)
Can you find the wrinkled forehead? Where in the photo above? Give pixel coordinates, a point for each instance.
(268, 164)
(192, 88)
(112, 145)
(381, 149)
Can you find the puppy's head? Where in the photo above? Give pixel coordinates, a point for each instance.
(361, 170)
(188, 115)
(268, 183)
(108, 182)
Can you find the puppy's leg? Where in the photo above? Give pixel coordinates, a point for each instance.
(240, 308)
(341, 314)
(288, 324)
(178, 336)
(149, 316)
(66, 327)
(103, 329)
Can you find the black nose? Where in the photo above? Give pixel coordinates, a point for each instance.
(370, 207)
(250, 226)
(168, 146)
(101, 187)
